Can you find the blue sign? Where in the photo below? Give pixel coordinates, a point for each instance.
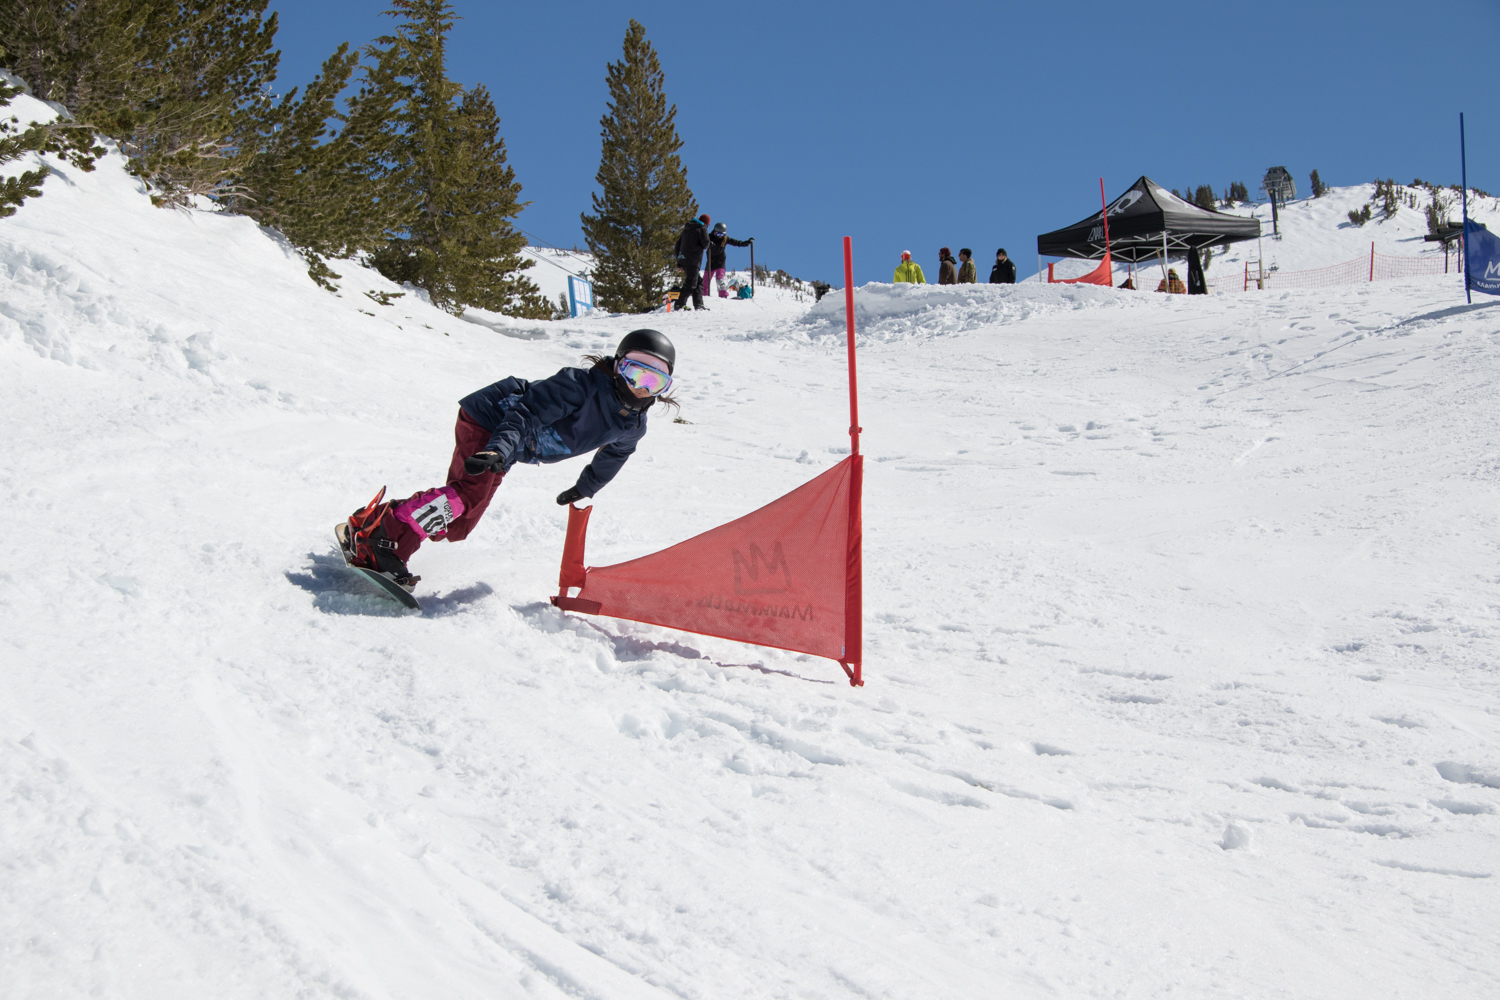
(1482, 258)
(580, 295)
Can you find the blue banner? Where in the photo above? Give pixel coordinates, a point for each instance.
(1483, 263)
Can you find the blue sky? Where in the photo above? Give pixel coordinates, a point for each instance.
(914, 126)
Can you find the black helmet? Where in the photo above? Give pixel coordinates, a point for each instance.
(719, 227)
(653, 342)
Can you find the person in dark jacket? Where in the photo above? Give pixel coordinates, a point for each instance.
(947, 268)
(717, 256)
(689, 252)
(599, 409)
(1004, 271)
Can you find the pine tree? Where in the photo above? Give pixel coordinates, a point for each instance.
(644, 198)
(449, 175)
(1319, 189)
(1437, 209)
(327, 191)
(16, 141)
(178, 84)
(1239, 192)
(1203, 197)
(62, 136)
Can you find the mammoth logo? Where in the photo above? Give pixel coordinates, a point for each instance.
(753, 566)
(1491, 271)
(1126, 200)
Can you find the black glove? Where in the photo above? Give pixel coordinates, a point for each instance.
(569, 495)
(485, 461)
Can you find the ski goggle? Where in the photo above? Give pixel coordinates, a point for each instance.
(639, 375)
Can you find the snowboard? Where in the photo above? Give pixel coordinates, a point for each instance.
(384, 581)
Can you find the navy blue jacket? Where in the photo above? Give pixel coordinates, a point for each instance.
(555, 418)
(691, 244)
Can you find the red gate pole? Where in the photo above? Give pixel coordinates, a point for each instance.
(854, 549)
(1104, 214)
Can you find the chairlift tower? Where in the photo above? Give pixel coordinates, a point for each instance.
(1279, 187)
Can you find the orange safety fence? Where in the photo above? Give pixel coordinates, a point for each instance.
(1375, 266)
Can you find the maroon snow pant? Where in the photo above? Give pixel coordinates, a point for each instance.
(475, 491)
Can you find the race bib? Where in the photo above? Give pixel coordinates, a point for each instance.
(430, 513)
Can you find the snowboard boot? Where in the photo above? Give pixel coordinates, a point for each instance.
(367, 546)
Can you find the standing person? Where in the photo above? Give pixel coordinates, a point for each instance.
(716, 256)
(599, 409)
(1004, 271)
(909, 270)
(968, 271)
(947, 268)
(689, 252)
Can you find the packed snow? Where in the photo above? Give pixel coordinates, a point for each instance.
(1181, 645)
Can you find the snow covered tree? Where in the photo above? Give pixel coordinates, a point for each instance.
(1319, 189)
(644, 199)
(447, 174)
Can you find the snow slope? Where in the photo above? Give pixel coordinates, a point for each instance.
(1181, 633)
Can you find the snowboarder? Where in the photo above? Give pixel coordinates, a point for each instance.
(947, 268)
(1004, 271)
(968, 271)
(717, 254)
(577, 410)
(908, 270)
(689, 253)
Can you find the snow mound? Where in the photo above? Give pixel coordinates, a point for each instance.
(896, 312)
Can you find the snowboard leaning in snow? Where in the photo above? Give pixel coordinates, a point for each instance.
(384, 581)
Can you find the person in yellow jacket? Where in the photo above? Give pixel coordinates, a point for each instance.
(1172, 283)
(909, 270)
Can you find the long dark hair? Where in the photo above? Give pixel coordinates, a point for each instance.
(606, 364)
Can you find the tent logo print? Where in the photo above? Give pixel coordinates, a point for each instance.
(752, 568)
(1126, 200)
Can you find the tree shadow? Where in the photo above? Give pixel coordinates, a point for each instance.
(1445, 312)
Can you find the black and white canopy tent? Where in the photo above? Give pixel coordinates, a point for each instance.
(1145, 223)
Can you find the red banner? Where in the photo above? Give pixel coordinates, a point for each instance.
(1102, 275)
(786, 576)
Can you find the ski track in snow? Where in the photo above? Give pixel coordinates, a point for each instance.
(1181, 645)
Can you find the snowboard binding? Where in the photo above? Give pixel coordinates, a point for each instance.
(365, 547)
